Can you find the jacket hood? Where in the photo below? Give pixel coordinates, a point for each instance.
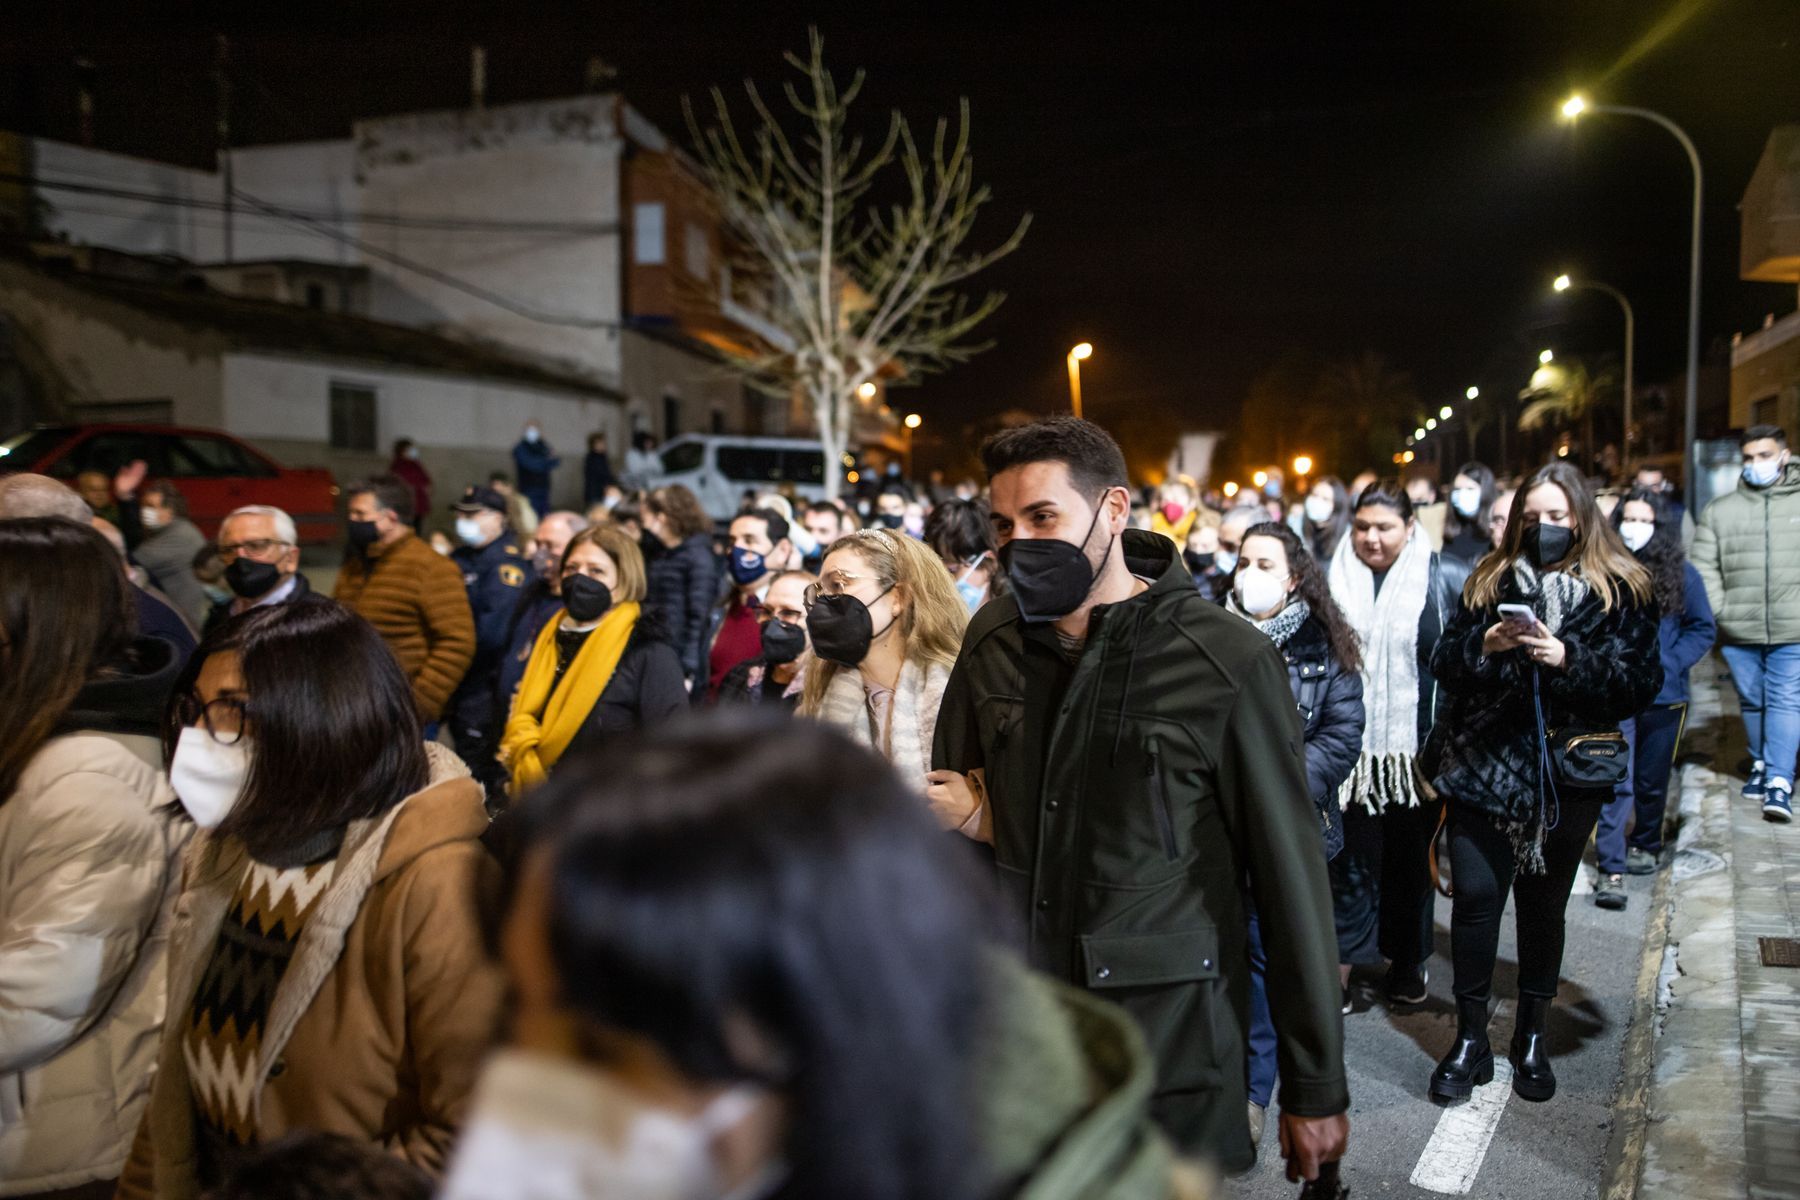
(1152, 556)
(130, 697)
(448, 809)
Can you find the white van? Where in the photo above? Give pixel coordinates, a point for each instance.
(719, 468)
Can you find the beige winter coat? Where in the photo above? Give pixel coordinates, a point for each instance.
(88, 861)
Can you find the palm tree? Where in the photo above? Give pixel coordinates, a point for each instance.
(1370, 403)
(1567, 395)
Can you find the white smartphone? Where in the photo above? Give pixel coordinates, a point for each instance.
(1519, 615)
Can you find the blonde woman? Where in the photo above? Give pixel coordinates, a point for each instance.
(886, 624)
(600, 666)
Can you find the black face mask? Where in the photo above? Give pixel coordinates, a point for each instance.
(1196, 563)
(891, 520)
(363, 534)
(842, 629)
(250, 579)
(1546, 545)
(586, 598)
(1050, 577)
(781, 642)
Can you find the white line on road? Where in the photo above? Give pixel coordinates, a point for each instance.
(1453, 1156)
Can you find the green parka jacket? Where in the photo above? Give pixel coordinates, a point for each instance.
(1135, 793)
(1747, 550)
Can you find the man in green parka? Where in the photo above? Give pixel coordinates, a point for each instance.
(1139, 757)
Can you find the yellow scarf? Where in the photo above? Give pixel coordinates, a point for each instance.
(542, 725)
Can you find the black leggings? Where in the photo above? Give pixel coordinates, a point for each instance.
(1481, 857)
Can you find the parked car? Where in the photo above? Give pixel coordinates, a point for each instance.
(215, 471)
(720, 468)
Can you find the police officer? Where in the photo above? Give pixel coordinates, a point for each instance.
(495, 572)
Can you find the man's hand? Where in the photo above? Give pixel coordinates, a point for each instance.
(1308, 1141)
(130, 478)
(953, 801)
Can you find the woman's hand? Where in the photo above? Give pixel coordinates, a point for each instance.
(1502, 636)
(953, 801)
(1544, 648)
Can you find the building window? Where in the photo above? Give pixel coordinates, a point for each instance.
(647, 234)
(1765, 411)
(699, 254)
(671, 416)
(352, 417)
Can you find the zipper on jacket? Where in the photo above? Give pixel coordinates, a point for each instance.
(1159, 802)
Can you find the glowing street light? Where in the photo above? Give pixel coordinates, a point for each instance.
(1078, 352)
(1545, 356)
(1431, 423)
(1230, 489)
(1574, 106)
(1419, 434)
(866, 391)
(912, 422)
(1472, 393)
(1445, 412)
(1303, 465)
(1407, 457)
(1260, 478)
(1560, 283)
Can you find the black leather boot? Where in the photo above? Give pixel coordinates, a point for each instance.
(1470, 1062)
(1532, 1078)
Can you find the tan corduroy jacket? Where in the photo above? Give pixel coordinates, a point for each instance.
(414, 597)
(382, 1017)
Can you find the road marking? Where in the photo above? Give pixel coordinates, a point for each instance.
(1458, 1145)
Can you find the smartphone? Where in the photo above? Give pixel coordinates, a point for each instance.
(1518, 615)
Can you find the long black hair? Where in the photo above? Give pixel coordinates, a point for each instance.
(1483, 520)
(330, 715)
(1324, 538)
(1662, 555)
(729, 869)
(1311, 585)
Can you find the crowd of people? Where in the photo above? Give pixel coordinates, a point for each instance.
(929, 842)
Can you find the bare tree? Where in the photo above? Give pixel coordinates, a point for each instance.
(855, 289)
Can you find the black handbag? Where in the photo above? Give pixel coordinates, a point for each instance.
(1587, 758)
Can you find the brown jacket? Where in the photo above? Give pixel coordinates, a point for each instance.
(414, 597)
(381, 1019)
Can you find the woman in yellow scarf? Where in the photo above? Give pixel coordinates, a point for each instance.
(599, 667)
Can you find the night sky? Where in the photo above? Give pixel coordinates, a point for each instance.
(1210, 193)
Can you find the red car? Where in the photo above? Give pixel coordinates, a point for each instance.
(215, 471)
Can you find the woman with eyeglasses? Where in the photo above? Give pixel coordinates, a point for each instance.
(326, 964)
(1554, 645)
(886, 624)
(601, 667)
(88, 859)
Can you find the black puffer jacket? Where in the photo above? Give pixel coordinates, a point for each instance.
(1443, 600)
(645, 688)
(1485, 754)
(1330, 700)
(683, 585)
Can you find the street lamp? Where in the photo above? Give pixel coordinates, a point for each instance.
(1078, 352)
(1419, 434)
(866, 390)
(1573, 108)
(912, 422)
(1545, 357)
(1302, 466)
(1564, 283)
(1230, 489)
(1472, 393)
(1260, 478)
(1444, 412)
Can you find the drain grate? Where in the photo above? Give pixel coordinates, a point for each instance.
(1779, 952)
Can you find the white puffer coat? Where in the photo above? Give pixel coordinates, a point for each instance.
(88, 863)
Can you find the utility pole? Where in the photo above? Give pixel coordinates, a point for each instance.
(222, 80)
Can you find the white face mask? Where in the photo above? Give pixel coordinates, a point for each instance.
(1636, 534)
(1318, 509)
(1763, 472)
(532, 434)
(152, 518)
(1259, 592)
(1466, 501)
(551, 1129)
(208, 777)
(1225, 560)
(468, 531)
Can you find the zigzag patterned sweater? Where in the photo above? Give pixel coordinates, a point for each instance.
(225, 1026)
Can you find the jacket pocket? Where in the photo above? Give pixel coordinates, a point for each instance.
(1121, 960)
(1159, 802)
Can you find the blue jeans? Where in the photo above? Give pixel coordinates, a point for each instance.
(1768, 686)
(1652, 740)
(1260, 1040)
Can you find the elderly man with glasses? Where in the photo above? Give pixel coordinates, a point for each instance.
(261, 553)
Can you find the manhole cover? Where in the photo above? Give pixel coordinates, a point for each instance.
(1779, 952)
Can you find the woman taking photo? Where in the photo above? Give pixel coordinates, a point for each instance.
(1530, 690)
(326, 967)
(886, 624)
(1281, 590)
(684, 578)
(599, 667)
(1325, 517)
(88, 859)
(1468, 525)
(1684, 634)
(1398, 596)
(745, 964)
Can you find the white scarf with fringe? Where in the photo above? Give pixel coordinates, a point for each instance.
(1387, 628)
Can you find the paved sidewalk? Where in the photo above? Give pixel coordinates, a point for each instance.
(1724, 1102)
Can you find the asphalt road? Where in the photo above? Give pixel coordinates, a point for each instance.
(1555, 1149)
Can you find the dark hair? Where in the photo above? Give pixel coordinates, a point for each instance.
(1389, 493)
(681, 508)
(824, 506)
(1662, 555)
(1326, 537)
(1094, 460)
(1483, 520)
(777, 524)
(626, 510)
(66, 614)
(173, 500)
(1757, 433)
(959, 529)
(332, 714)
(390, 494)
(733, 868)
(322, 1166)
(643, 439)
(1311, 586)
(402, 445)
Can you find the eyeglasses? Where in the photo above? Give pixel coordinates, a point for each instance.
(255, 548)
(834, 583)
(223, 718)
